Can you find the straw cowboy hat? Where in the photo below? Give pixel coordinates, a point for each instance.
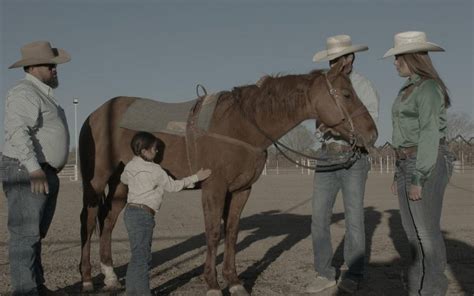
(337, 46)
(410, 42)
(41, 52)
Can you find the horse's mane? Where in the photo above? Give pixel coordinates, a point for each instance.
(277, 94)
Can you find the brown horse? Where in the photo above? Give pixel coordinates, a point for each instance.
(243, 125)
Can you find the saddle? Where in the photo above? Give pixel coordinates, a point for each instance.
(154, 116)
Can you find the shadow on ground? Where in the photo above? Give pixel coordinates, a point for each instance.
(382, 278)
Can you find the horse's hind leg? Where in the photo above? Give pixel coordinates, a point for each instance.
(88, 224)
(232, 214)
(213, 198)
(109, 212)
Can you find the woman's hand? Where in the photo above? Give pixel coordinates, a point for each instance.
(203, 174)
(415, 192)
(393, 188)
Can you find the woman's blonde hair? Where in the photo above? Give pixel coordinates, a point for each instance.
(420, 63)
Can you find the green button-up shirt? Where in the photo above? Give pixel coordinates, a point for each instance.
(420, 120)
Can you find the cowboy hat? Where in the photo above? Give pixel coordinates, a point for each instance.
(410, 42)
(41, 52)
(337, 46)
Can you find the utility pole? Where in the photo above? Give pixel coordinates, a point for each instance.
(75, 101)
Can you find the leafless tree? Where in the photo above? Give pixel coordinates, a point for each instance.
(460, 124)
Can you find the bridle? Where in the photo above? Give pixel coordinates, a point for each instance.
(347, 162)
(336, 96)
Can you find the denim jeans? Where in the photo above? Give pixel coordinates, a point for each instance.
(29, 218)
(139, 224)
(421, 222)
(326, 186)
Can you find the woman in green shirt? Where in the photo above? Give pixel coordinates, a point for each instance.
(423, 165)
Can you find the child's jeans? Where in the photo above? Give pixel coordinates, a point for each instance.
(140, 224)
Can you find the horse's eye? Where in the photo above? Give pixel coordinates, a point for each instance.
(346, 93)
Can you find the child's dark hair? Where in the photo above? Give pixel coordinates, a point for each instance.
(142, 140)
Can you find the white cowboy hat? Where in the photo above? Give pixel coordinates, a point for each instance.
(41, 52)
(410, 42)
(337, 46)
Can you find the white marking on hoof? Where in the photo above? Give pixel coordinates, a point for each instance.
(87, 287)
(214, 292)
(238, 290)
(110, 280)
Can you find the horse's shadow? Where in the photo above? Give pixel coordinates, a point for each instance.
(261, 226)
(295, 228)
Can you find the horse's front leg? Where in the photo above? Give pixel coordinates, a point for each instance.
(116, 200)
(232, 218)
(213, 199)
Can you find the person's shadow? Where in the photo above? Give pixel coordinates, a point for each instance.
(460, 255)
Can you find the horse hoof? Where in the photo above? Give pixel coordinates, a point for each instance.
(214, 292)
(87, 287)
(238, 290)
(112, 285)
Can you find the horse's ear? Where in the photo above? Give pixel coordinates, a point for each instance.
(336, 69)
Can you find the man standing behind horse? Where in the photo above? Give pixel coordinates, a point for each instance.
(350, 181)
(36, 149)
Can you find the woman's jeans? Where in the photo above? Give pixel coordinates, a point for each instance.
(29, 218)
(421, 221)
(326, 186)
(140, 226)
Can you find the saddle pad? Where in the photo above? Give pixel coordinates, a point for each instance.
(154, 116)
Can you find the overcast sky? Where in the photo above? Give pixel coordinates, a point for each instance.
(162, 49)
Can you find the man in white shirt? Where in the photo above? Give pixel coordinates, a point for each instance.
(35, 150)
(350, 181)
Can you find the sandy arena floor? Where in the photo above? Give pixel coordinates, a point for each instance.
(274, 249)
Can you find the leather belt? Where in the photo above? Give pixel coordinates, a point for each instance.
(403, 153)
(142, 206)
(44, 165)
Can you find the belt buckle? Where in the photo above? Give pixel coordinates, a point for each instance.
(401, 155)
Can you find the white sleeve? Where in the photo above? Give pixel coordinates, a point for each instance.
(371, 100)
(124, 177)
(171, 185)
(21, 121)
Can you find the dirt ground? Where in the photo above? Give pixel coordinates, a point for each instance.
(274, 248)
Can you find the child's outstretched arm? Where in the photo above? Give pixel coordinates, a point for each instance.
(171, 185)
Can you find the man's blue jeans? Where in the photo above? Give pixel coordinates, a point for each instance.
(326, 186)
(139, 224)
(29, 218)
(421, 222)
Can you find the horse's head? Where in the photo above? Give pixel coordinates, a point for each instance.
(339, 109)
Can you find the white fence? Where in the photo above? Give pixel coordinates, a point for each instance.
(70, 171)
(377, 165)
